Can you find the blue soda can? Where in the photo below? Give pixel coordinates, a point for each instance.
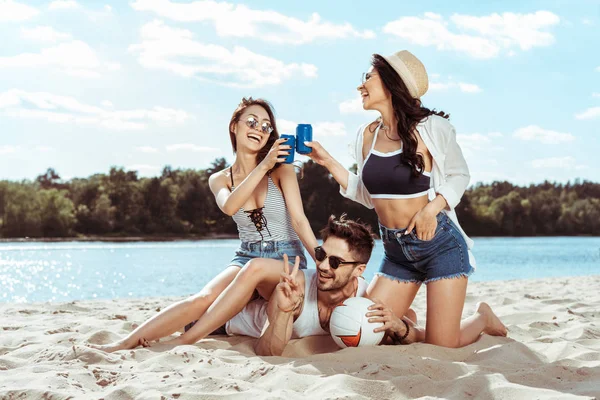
(303, 134)
(290, 141)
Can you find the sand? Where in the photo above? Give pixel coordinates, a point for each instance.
(552, 352)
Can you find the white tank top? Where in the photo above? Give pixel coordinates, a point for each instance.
(252, 319)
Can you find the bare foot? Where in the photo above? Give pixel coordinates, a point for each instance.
(112, 347)
(412, 315)
(493, 325)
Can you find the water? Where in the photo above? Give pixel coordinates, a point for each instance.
(32, 272)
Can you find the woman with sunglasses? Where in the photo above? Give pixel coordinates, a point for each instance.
(412, 171)
(263, 197)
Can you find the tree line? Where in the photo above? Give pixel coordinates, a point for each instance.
(178, 203)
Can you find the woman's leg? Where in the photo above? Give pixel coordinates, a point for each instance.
(176, 315)
(396, 295)
(261, 274)
(483, 320)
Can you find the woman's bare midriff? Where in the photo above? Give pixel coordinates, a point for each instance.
(397, 213)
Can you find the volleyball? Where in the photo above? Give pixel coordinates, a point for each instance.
(349, 327)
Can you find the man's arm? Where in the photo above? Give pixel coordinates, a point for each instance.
(285, 302)
(277, 332)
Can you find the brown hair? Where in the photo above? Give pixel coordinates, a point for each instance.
(235, 118)
(358, 236)
(408, 112)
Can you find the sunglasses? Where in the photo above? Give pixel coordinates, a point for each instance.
(266, 127)
(334, 261)
(366, 76)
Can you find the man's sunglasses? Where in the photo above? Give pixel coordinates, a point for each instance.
(266, 127)
(334, 261)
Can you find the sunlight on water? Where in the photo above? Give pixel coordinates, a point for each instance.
(31, 272)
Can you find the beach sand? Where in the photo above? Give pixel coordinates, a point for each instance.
(552, 352)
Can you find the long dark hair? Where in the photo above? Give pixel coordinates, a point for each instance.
(408, 112)
(235, 118)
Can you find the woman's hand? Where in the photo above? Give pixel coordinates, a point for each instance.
(276, 155)
(318, 153)
(392, 325)
(425, 223)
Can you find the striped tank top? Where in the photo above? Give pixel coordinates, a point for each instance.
(271, 222)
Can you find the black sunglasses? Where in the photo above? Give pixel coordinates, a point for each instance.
(266, 127)
(334, 261)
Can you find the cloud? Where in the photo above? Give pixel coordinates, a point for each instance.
(557, 162)
(535, 133)
(175, 50)
(107, 104)
(11, 11)
(590, 113)
(595, 94)
(63, 5)
(320, 129)
(353, 106)
(74, 58)
(598, 69)
(241, 21)
(479, 37)
(44, 149)
(191, 147)
(474, 141)
(146, 149)
(6, 149)
(44, 34)
(62, 109)
(462, 86)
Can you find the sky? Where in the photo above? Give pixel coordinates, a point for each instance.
(86, 85)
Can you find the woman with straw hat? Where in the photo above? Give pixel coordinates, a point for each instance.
(412, 171)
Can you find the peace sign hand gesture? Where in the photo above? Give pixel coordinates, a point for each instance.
(288, 293)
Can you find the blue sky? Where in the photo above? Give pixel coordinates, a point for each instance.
(148, 83)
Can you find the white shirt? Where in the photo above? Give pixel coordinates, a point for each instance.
(449, 173)
(252, 319)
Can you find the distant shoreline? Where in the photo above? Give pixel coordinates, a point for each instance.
(118, 239)
(168, 238)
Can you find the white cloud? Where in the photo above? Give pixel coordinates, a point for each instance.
(556, 162)
(74, 58)
(107, 104)
(166, 48)
(535, 133)
(146, 149)
(107, 8)
(353, 106)
(590, 113)
(62, 109)
(480, 37)
(587, 21)
(11, 11)
(44, 34)
(191, 147)
(44, 149)
(63, 5)
(5, 149)
(474, 141)
(495, 134)
(595, 94)
(462, 86)
(241, 21)
(598, 69)
(320, 129)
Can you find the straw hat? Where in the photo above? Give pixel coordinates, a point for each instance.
(411, 71)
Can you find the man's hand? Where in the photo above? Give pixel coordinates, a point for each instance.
(288, 295)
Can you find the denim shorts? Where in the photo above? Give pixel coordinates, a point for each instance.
(269, 249)
(409, 259)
